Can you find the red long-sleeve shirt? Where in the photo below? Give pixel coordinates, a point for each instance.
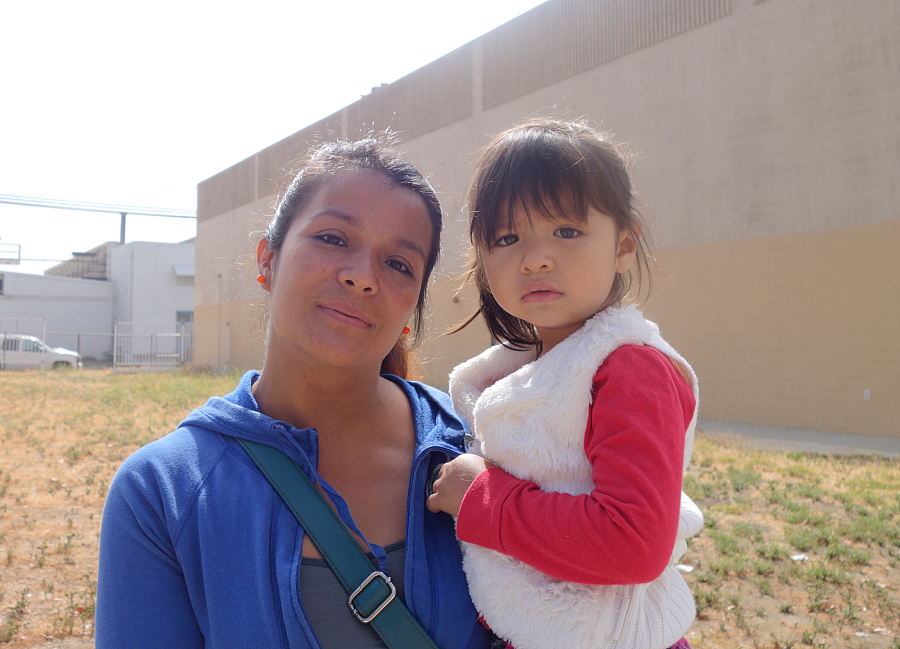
(622, 532)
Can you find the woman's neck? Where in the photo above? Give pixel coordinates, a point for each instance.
(319, 397)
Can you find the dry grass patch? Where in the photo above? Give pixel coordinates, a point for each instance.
(799, 550)
(63, 436)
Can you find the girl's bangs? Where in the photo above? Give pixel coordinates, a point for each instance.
(546, 194)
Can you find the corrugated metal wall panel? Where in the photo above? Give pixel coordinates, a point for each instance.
(425, 100)
(275, 160)
(547, 44)
(559, 39)
(226, 190)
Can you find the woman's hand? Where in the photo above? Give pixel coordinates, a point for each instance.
(453, 481)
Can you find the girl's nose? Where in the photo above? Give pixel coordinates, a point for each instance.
(536, 258)
(359, 275)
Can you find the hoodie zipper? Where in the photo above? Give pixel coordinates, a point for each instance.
(423, 455)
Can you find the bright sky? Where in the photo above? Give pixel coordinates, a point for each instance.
(135, 103)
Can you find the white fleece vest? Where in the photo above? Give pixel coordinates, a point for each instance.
(530, 418)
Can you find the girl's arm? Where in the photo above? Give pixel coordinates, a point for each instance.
(623, 532)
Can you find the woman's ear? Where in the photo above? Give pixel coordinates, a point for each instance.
(627, 250)
(265, 263)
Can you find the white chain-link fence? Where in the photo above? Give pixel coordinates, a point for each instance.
(168, 344)
(25, 343)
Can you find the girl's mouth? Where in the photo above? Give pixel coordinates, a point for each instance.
(541, 296)
(538, 292)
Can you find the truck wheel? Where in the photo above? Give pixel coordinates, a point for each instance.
(62, 365)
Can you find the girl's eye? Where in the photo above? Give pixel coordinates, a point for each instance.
(507, 240)
(567, 232)
(332, 239)
(398, 265)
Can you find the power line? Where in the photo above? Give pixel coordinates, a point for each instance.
(122, 210)
(53, 203)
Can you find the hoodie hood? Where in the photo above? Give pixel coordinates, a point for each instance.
(237, 415)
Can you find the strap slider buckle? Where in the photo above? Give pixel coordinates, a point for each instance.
(375, 575)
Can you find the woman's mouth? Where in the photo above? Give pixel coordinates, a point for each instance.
(346, 314)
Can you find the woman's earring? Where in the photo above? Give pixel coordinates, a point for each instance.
(405, 330)
(261, 278)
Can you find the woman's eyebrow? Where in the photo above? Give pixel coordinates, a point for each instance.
(352, 220)
(401, 242)
(410, 245)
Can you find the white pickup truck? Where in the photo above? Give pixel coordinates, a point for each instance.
(21, 352)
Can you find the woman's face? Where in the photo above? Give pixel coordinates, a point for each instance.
(346, 278)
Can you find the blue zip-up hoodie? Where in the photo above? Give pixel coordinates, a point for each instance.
(197, 549)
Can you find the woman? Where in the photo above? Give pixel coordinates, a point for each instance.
(197, 549)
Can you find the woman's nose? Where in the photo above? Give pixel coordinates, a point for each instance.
(359, 275)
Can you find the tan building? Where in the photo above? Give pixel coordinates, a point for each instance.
(768, 135)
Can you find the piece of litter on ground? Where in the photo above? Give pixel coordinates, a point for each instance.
(878, 584)
(800, 557)
(681, 567)
(861, 634)
(883, 631)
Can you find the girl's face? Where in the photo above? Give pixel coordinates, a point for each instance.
(346, 278)
(556, 274)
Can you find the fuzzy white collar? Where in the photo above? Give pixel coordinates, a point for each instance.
(506, 394)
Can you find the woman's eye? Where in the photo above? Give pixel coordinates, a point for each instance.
(399, 266)
(567, 232)
(507, 240)
(332, 239)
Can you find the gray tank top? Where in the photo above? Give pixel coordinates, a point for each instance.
(325, 602)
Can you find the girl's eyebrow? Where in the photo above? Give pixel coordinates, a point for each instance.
(401, 242)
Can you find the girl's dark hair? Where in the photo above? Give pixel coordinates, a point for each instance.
(555, 168)
(377, 152)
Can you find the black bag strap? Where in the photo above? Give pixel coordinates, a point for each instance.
(372, 596)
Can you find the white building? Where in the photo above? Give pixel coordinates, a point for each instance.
(77, 313)
(147, 282)
(154, 281)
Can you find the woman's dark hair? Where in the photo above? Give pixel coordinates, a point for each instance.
(555, 168)
(378, 153)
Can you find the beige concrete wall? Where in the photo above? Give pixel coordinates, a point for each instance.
(755, 124)
(242, 347)
(225, 288)
(790, 330)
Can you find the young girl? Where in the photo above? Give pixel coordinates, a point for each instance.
(589, 412)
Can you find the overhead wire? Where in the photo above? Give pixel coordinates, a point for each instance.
(59, 204)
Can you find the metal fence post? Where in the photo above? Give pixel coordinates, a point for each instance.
(227, 344)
